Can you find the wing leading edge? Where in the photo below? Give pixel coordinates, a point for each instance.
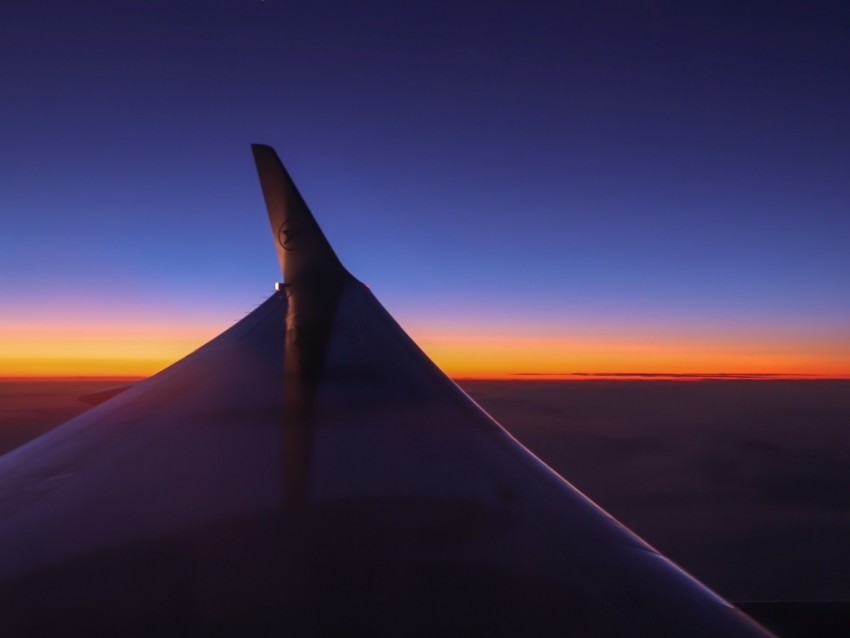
(311, 471)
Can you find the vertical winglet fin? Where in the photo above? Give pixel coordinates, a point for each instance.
(302, 249)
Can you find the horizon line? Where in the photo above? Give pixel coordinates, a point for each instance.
(512, 376)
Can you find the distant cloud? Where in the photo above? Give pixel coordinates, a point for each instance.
(668, 375)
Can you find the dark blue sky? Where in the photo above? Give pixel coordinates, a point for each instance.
(518, 166)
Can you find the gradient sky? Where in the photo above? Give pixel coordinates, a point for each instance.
(527, 186)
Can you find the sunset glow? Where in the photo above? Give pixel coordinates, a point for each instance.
(496, 356)
(142, 349)
(95, 349)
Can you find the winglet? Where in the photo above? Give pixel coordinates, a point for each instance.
(302, 249)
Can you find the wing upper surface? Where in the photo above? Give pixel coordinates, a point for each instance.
(311, 471)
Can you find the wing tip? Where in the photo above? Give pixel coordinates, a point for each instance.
(302, 248)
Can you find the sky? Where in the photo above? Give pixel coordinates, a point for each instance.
(533, 187)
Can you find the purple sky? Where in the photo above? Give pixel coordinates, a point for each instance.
(537, 167)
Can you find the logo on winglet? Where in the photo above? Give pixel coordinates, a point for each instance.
(290, 236)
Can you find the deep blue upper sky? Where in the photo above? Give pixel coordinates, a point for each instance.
(534, 165)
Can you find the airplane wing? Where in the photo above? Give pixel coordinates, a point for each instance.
(310, 472)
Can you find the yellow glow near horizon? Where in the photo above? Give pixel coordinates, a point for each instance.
(499, 356)
(93, 350)
(142, 350)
